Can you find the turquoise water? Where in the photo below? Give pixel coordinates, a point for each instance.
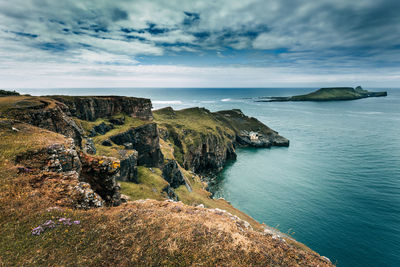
(336, 188)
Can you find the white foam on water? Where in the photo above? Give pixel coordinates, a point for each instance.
(169, 102)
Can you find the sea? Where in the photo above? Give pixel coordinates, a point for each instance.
(336, 188)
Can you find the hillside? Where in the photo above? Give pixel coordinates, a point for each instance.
(328, 94)
(74, 185)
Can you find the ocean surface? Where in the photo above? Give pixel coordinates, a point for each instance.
(335, 189)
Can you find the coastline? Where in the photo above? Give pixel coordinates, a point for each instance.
(181, 179)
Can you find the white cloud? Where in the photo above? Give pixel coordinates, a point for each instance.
(273, 41)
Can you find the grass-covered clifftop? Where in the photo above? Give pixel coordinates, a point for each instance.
(51, 185)
(328, 94)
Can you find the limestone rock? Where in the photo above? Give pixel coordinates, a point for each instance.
(101, 129)
(145, 140)
(89, 146)
(102, 173)
(128, 169)
(93, 107)
(55, 158)
(85, 197)
(173, 175)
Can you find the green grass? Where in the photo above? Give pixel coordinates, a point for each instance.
(150, 185)
(112, 151)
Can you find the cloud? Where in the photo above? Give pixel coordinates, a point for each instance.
(287, 34)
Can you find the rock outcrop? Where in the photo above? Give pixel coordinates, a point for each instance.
(91, 108)
(128, 169)
(173, 175)
(99, 172)
(47, 114)
(101, 129)
(145, 140)
(102, 173)
(171, 193)
(55, 158)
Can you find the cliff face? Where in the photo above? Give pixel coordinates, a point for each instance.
(144, 139)
(45, 113)
(208, 155)
(90, 108)
(203, 141)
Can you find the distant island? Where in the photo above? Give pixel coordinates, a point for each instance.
(327, 94)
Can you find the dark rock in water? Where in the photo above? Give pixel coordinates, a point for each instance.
(117, 121)
(172, 174)
(101, 129)
(255, 139)
(145, 141)
(128, 169)
(89, 146)
(91, 108)
(171, 193)
(252, 139)
(106, 143)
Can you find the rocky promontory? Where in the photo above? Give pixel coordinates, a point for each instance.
(327, 94)
(203, 141)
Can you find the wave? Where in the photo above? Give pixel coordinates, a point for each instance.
(168, 102)
(366, 112)
(226, 99)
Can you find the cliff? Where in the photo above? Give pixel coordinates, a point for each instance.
(91, 108)
(58, 195)
(203, 141)
(328, 94)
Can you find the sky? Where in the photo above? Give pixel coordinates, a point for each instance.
(215, 43)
